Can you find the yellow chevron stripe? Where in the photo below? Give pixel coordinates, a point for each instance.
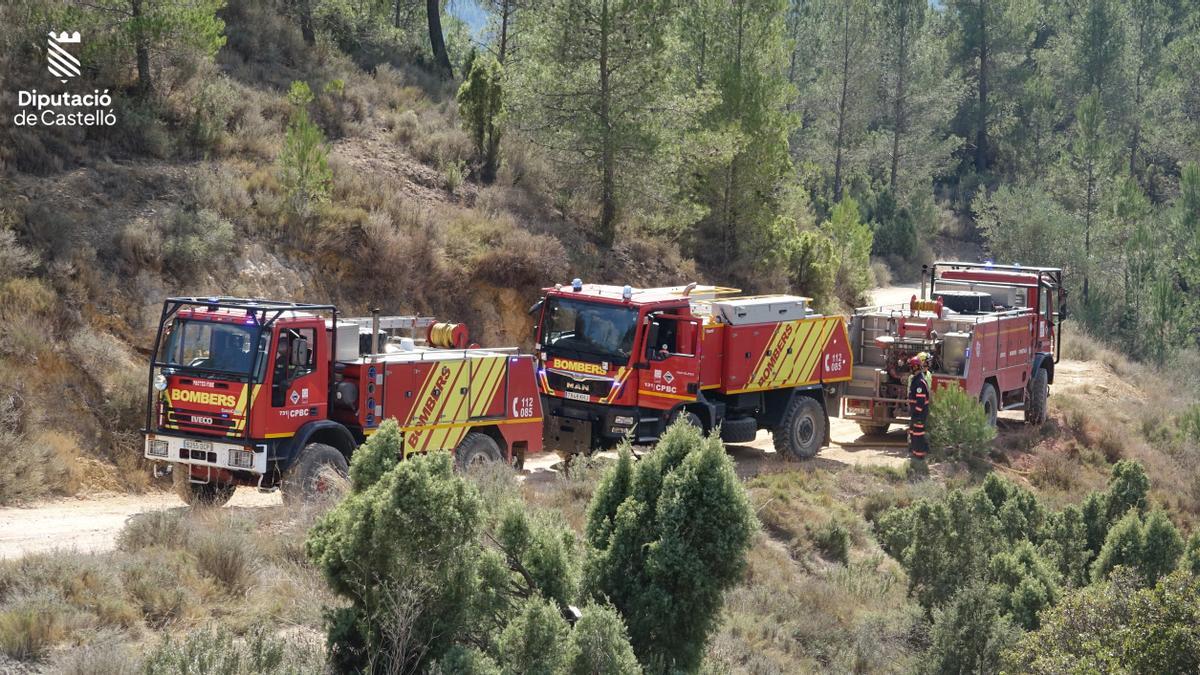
(477, 423)
(818, 350)
(486, 392)
(800, 337)
(675, 397)
(812, 351)
(452, 399)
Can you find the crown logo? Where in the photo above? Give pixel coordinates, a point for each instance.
(61, 63)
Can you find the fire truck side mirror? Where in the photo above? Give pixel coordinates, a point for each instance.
(300, 352)
(537, 306)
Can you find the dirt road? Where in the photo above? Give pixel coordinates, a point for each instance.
(92, 523)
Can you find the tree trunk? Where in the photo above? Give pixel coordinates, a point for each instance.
(142, 49)
(306, 23)
(396, 15)
(608, 207)
(433, 14)
(505, 8)
(898, 128)
(841, 125)
(981, 137)
(1087, 228)
(1136, 140)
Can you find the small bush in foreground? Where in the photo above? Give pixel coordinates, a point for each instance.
(31, 625)
(958, 426)
(218, 651)
(1118, 627)
(668, 539)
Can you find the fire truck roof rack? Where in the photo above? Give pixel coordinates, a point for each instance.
(230, 302)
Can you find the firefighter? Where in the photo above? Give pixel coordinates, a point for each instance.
(918, 405)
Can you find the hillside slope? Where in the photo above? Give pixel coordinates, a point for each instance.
(189, 201)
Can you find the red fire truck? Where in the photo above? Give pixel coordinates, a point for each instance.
(993, 330)
(617, 361)
(271, 394)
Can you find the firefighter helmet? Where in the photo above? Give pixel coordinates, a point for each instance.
(919, 361)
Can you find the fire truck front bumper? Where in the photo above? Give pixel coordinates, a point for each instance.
(577, 426)
(206, 452)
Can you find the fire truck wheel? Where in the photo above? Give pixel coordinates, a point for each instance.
(990, 401)
(739, 430)
(476, 450)
(1039, 391)
(869, 429)
(801, 432)
(200, 494)
(689, 418)
(308, 478)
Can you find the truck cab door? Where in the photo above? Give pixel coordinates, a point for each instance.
(672, 353)
(298, 378)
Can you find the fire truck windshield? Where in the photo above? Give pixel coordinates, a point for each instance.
(591, 330)
(213, 346)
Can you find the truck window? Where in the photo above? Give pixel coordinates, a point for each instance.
(589, 329)
(209, 345)
(285, 371)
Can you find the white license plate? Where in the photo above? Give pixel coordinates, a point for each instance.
(575, 396)
(203, 446)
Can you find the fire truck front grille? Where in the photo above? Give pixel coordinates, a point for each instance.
(591, 387)
(203, 421)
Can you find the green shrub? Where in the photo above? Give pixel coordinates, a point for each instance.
(403, 550)
(958, 426)
(481, 104)
(535, 641)
(599, 643)
(970, 634)
(460, 660)
(667, 540)
(833, 541)
(1151, 546)
(304, 161)
(1117, 626)
(196, 240)
(1026, 584)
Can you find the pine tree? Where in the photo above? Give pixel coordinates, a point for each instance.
(481, 103)
(595, 90)
(736, 48)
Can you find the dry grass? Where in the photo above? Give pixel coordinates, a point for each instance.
(174, 570)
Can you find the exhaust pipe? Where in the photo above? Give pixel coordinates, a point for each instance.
(924, 272)
(374, 331)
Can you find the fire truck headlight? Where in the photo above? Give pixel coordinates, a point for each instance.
(623, 420)
(158, 448)
(160, 382)
(243, 459)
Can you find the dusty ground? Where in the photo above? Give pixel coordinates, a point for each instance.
(92, 523)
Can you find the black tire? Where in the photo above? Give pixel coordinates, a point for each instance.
(739, 430)
(990, 401)
(305, 480)
(476, 449)
(689, 418)
(801, 432)
(873, 429)
(212, 494)
(1039, 394)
